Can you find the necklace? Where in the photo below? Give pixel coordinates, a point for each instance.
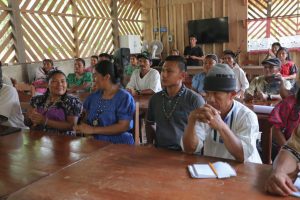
(168, 108)
(103, 106)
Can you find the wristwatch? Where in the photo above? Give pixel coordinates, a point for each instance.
(269, 97)
(138, 92)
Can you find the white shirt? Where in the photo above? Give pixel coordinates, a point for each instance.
(6, 80)
(10, 107)
(242, 82)
(150, 81)
(243, 123)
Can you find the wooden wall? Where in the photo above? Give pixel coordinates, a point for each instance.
(175, 14)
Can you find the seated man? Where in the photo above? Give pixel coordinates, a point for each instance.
(10, 105)
(169, 109)
(285, 167)
(144, 80)
(224, 127)
(267, 87)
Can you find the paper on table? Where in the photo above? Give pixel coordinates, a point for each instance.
(224, 170)
(262, 109)
(297, 184)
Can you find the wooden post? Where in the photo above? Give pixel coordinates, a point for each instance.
(76, 52)
(115, 23)
(17, 30)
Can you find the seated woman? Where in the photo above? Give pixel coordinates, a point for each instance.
(110, 110)
(55, 111)
(40, 81)
(79, 80)
(198, 80)
(288, 67)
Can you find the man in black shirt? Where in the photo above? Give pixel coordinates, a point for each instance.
(193, 54)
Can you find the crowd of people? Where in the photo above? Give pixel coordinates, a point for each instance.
(208, 119)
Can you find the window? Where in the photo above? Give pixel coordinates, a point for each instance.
(273, 21)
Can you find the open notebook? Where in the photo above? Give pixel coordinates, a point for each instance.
(222, 170)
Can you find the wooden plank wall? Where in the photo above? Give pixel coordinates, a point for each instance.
(175, 14)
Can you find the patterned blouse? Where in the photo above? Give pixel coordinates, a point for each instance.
(66, 106)
(285, 116)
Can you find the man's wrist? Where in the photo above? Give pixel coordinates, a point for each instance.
(138, 92)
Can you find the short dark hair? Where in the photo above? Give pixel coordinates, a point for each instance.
(229, 52)
(48, 60)
(276, 44)
(80, 60)
(193, 35)
(105, 67)
(133, 55)
(94, 56)
(180, 61)
(213, 56)
(287, 52)
(106, 55)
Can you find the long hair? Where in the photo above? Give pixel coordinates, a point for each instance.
(107, 67)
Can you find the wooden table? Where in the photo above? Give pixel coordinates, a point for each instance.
(128, 172)
(28, 157)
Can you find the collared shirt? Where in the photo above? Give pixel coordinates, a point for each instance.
(241, 80)
(243, 123)
(259, 84)
(285, 116)
(171, 115)
(150, 81)
(198, 82)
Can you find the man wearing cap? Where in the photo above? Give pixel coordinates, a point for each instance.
(267, 87)
(285, 168)
(10, 105)
(223, 127)
(144, 80)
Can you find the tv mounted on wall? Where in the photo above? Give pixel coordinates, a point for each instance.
(214, 30)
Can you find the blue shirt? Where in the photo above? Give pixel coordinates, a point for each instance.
(198, 82)
(106, 112)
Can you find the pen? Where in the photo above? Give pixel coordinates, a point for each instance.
(213, 169)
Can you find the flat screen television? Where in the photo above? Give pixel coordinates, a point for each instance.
(214, 30)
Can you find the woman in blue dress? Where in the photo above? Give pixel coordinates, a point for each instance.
(109, 111)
